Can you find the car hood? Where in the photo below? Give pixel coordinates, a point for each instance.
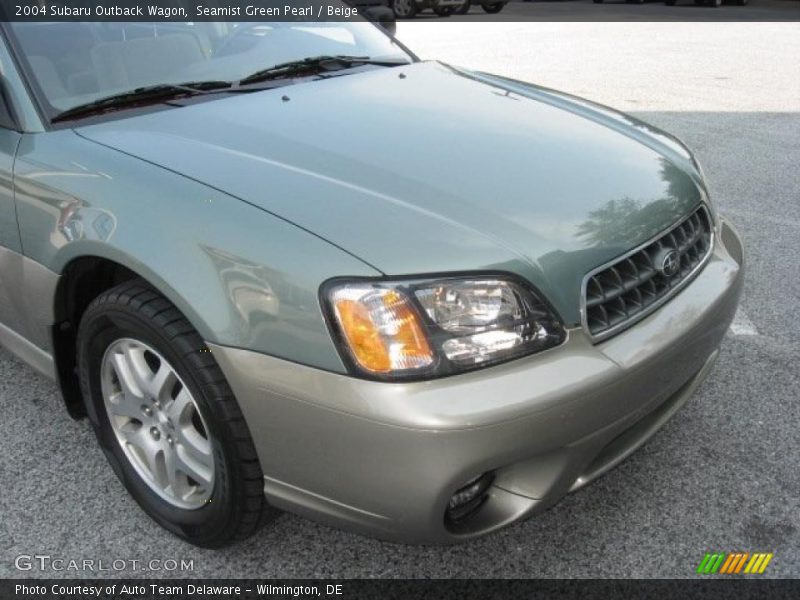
(428, 169)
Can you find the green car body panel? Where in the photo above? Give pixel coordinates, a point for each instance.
(387, 194)
(185, 238)
(239, 208)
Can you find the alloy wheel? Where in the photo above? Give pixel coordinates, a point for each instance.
(157, 423)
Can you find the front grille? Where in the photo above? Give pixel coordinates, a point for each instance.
(617, 295)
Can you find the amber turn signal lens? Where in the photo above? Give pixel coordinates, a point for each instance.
(382, 330)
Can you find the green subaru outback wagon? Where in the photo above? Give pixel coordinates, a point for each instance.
(269, 264)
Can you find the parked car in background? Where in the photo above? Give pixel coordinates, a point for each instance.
(487, 5)
(407, 9)
(698, 2)
(714, 3)
(267, 264)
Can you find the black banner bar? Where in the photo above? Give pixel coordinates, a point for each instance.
(345, 10)
(739, 588)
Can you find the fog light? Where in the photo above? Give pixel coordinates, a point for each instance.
(468, 498)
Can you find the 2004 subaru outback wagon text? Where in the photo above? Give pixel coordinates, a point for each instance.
(266, 262)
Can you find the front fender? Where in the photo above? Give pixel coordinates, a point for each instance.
(243, 277)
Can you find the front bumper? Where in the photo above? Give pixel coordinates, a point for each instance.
(384, 459)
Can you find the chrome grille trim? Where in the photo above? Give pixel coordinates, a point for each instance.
(628, 288)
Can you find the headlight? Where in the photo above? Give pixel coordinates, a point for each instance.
(421, 329)
(707, 196)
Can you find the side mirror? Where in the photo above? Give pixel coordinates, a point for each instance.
(384, 17)
(8, 118)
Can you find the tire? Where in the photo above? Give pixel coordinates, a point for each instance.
(444, 11)
(670, 2)
(741, 2)
(464, 8)
(493, 9)
(213, 493)
(597, 1)
(404, 9)
(714, 3)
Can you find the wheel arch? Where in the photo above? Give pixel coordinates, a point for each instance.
(81, 280)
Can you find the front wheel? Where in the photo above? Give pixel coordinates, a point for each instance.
(494, 8)
(464, 8)
(444, 11)
(166, 419)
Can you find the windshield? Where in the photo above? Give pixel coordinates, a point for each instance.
(72, 64)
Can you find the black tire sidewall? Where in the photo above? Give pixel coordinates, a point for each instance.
(102, 326)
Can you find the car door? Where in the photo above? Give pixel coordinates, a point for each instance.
(10, 243)
(26, 287)
(9, 142)
(9, 231)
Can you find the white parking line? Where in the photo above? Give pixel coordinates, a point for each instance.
(742, 325)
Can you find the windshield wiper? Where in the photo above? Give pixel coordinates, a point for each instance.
(166, 91)
(315, 64)
(150, 93)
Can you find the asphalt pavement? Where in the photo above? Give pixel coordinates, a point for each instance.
(722, 475)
